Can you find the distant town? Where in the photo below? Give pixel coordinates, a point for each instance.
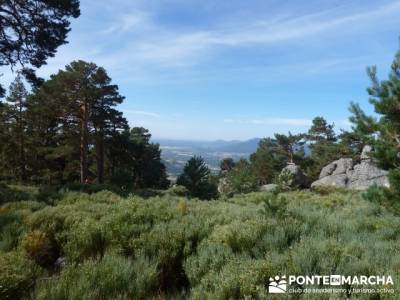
(175, 153)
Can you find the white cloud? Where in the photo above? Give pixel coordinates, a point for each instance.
(137, 46)
(142, 113)
(170, 47)
(127, 23)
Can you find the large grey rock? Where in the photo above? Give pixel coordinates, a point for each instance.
(224, 186)
(343, 173)
(299, 179)
(332, 180)
(343, 166)
(268, 187)
(365, 154)
(328, 170)
(60, 263)
(367, 173)
(338, 167)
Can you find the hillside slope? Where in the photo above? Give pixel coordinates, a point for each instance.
(139, 249)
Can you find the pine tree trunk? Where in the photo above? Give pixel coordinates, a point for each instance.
(100, 156)
(22, 158)
(21, 145)
(84, 144)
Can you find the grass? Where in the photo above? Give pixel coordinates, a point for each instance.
(169, 247)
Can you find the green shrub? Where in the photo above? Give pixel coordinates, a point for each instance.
(178, 190)
(327, 190)
(175, 248)
(278, 236)
(166, 244)
(107, 197)
(316, 256)
(17, 275)
(49, 194)
(28, 206)
(14, 220)
(39, 248)
(376, 194)
(241, 278)
(14, 193)
(10, 236)
(147, 193)
(284, 181)
(275, 204)
(394, 178)
(240, 236)
(85, 240)
(114, 277)
(210, 256)
(92, 188)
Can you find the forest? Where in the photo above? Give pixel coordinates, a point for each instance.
(87, 210)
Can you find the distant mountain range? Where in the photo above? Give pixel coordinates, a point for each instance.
(234, 146)
(175, 153)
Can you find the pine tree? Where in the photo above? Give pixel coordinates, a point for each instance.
(226, 165)
(322, 141)
(147, 169)
(105, 119)
(321, 130)
(84, 93)
(242, 178)
(32, 30)
(53, 154)
(364, 127)
(135, 162)
(383, 132)
(4, 140)
(268, 161)
(196, 178)
(385, 97)
(288, 145)
(16, 119)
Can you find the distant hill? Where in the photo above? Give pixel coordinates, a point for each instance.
(234, 146)
(175, 153)
(249, 146)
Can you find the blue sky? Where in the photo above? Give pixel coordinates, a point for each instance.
(203, 70)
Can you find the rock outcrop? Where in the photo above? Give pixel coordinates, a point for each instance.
(335, 174)
(299, 179)
(268, 187)
(224, 186)
(343, 173)
(60, 264)
(366, 174)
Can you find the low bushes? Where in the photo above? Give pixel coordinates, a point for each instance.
(17, 275)
(240, 278)
(15, 193)
(114, 277)
(39, 248)
(172, 247)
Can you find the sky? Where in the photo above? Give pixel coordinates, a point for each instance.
(208, 69)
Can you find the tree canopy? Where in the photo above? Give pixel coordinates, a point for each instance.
(70, 130)
(196, 178)
(32, 30)
(382, 132)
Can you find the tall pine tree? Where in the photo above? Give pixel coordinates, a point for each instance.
(383, 132)
(105, 119)
(84, 97)
(15, 111)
